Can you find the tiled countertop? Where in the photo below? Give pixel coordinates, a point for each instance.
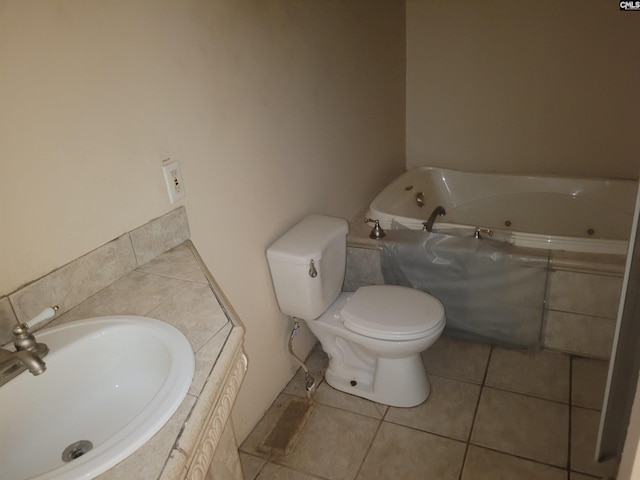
(175, 288)
(154, 271)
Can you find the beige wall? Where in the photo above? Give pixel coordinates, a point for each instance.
(274, 109)
(543, 86)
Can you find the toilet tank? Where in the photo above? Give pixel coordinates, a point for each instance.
(318, 243)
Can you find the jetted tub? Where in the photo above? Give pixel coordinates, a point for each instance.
(555, 213)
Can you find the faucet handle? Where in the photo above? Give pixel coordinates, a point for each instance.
(377, 233)
(23, 339)
(479, 230)
(46, 314)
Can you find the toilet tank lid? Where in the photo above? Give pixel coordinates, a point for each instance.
(306, 240)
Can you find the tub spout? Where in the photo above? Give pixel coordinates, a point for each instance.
(438, 211)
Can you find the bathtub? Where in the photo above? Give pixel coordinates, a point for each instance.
(553, 213)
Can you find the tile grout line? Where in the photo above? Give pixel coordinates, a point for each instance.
(373, 437)
(528, 395)
(475, 414)
(571, 359)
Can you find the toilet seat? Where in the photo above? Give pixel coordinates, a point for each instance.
(391, 312)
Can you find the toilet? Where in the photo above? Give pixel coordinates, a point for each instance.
(373, 336)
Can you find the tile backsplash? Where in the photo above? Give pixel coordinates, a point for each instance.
(71, 284)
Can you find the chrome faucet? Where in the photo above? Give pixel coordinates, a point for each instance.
(28, 352)
(438, 211)
(376, 233)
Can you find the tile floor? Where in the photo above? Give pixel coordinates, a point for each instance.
(493, 413)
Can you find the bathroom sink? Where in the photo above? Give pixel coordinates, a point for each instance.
(111, 383)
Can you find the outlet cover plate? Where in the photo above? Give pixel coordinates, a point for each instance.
(173, 179)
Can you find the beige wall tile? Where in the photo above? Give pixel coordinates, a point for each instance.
(579, 334)
(7, 321)
(596, 295)
(75, 282)
(588, 262)
(160, 235)
(363, 266)
(135, 294)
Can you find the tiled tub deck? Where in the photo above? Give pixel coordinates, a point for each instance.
(581, 301)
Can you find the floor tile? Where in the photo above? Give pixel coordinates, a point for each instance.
(251, 465)
(520, 430)
(278, 472)
(328, 395)
(588, 381)
(584, 432)
(541, 374)
(448, 411)
(333, 443)
(264, 426)
(529, 427)
(457, 359)
(483, 464)
(401, 453)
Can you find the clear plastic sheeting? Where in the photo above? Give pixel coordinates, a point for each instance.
(491, 290)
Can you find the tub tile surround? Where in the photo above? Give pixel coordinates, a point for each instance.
(493, 413)
(582, 295)
(156, 271)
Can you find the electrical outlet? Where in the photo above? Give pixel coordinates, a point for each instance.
(173, 177)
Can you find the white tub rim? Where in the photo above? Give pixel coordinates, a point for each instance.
(389, 220)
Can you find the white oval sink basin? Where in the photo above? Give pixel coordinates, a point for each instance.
(112, 381)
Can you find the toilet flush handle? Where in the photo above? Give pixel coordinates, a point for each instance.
(313, 273)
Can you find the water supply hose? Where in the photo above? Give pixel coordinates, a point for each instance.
(310, 382)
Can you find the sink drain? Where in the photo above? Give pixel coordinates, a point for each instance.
(76, 449)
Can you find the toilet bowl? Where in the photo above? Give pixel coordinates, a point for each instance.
(374, 336)
(371, 356)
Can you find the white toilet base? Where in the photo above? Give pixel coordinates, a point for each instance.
(397, 382)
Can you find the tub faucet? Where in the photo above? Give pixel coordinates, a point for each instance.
(438, 211)
(376, 233)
